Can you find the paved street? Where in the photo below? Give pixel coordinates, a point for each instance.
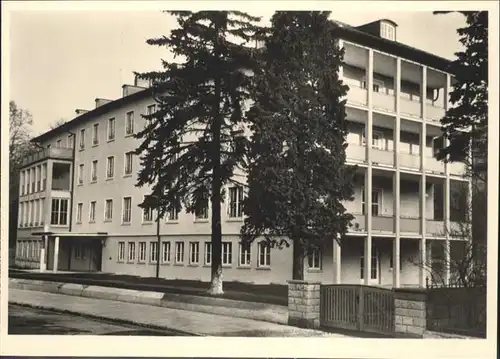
(25, 320)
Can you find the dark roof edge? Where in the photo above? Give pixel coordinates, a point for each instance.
(392, 47)
(95, 112)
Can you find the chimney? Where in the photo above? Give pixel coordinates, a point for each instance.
(80, 111)
(138, 82)
(101, 101)
(129, 90)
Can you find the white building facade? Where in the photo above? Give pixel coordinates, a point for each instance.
(79, 204)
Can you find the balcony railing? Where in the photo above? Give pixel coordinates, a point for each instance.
(356, 153)
(358, 223)
(383, 157)
(384, 102)
(357, 95)
(407, 160)
(409, 225)
(410, 108)
(433, 165)
(46, 153)
(435, 228)
(434, 113)
(457, 168)
(383, 223)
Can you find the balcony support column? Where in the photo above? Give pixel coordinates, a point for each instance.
(397, 230)
(368, 173)
(56, 254)
(43, 251)
(337, 259)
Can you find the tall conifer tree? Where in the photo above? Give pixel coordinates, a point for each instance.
(192, 143)
(297, 174)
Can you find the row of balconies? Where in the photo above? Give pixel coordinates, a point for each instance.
(50, 152)
(411, 226)
(386, 102)
(357, 153)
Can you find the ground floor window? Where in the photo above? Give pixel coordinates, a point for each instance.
(153, 252)
(374, 263)
(314, 259)
(227, 249)
(179, 252)
(166, 252)
(142, 251)
(194, 252)
(121, 251)
(245, 255)
(208, 253)
(131, 251)
(264, 255)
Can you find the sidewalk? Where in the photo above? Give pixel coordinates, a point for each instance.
(194, 323)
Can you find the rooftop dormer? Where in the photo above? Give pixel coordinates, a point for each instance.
(383, 28)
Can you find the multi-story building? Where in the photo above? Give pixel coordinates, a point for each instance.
(79, 203)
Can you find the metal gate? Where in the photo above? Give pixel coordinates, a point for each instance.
(357, 307)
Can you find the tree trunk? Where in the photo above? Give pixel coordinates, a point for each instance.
(216, 287)
(298, 260)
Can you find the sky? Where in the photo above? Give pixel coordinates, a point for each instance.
(63, 60)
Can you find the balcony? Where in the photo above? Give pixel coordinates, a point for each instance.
(46, 153)
(410, 108)
(433, 165)
(383, 223)
(434, 113)
(384, 102)
(409, 161)
(382, 157)
(409, 225)
(357, 96)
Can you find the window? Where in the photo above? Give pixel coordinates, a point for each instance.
(82, 139)
(36, 212)
(92, 211)
(194, 252)
(127, 210)
(314, 259)
(110, 167)
(264, 257)
(21, 181)
(245, 255)
(42, 210)
(80, 174)
(108, 210)
(131, 251)
(70, 141)
(374, 263)
(21, 214)
(208, 253)
(165, 252)
(391, 260)
(93, 174)
(179, 252)
(227, 254)
(377, 85)
(79, 212)
(235, 199)
(95, 134)
(111, 129)
(129, 125)
(147, 215)
(202, 214)
(33, 180)
(142, 251)
(44, 176)
(378, 140)
(38, 178)
(128, 163)
(376, 201)
(173, 215)
(151, 109)
(59, 212)
(32, 212)
(153, 252)
(59, 144)
(121, 251)
(387, 31)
